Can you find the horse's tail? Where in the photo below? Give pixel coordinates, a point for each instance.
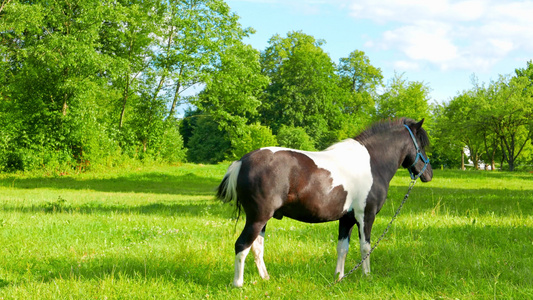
(227, 190)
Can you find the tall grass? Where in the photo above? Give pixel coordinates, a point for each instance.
(156, 232)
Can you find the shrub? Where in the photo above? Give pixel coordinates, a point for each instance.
(207, 144)
(255, 136)
(295, 137)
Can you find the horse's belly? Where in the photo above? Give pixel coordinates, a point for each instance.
(315, 207)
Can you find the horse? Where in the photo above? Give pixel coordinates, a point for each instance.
(347, 182)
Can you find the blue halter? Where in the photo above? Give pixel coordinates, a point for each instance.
(418, 155)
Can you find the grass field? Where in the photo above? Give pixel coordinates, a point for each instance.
(156, 232)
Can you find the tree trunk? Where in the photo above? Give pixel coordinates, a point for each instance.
(125, 99)
(174, 101)
(65, 106)
(176, 94)
(462, 159)
(4, 4)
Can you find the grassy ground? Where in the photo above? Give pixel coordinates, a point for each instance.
(157, 233)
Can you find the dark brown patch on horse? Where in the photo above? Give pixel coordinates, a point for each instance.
(300, 189)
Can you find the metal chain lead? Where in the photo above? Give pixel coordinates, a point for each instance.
(411, 185)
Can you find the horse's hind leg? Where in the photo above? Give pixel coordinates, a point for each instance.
(242, 248)
(258, 248)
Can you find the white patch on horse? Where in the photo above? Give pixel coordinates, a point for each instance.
(342, 250)
(258, 249)
(365, 249)
(349, 165)
(240, 257)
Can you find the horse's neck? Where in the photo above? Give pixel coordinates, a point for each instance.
(387, 153)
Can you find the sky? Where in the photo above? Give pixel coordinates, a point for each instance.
(443, 43)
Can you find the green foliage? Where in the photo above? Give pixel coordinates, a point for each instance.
(231, 93)
(303, 90)
(295, 138)
(208, 143)
(193, 37)
(361, 79)
(91, 84)
(170, 148)
(254, 137)
(404, 98)
(98, 83)
(493, 122)
(446, 148)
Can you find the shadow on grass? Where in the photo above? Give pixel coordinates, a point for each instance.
(154, 182)
(433, 259)
(459, 201)
(184, 209)
(170, 269)
(423, 199)
(475, 174)
(438, 258)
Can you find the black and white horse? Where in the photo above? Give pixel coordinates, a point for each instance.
(347, 182)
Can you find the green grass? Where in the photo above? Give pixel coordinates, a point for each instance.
(156, 232)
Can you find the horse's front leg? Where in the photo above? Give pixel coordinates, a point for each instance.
(346, 224)
(364, 240)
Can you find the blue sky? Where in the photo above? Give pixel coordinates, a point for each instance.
(439, 42)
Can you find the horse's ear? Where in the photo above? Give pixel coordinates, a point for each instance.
(418, 125)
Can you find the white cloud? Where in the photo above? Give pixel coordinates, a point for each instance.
(449, 34)
(406, 65)
(425, 42)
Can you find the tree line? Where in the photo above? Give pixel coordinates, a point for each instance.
(91, 83)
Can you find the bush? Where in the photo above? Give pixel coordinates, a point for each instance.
(13, 161)
(170, 147)
(255, 136)
(208, 144)
(295, 138)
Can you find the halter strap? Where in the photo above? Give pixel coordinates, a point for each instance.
(418, 155)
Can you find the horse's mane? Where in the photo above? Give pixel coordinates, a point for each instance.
(387, 126)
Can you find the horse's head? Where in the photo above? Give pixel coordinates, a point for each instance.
(416, 160)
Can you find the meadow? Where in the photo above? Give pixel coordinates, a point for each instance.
(156, 232)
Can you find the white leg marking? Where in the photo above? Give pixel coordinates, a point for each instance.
(365, 249)
(364, 246)
(240, 257)
(342, 251)
(258, 249)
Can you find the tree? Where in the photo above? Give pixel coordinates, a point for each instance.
(491, 120)
(190, 42)
(304, 89)
(446, 148)
(255, 136)
(129, 39)
(462, 124)
(53, 76)
(358, 74)
(208, 143)
(404, 99)
(232, 91)
(359, 79)
(295, 138)
(509, 112)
